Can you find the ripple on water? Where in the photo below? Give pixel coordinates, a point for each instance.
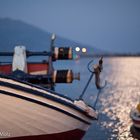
(123, 94)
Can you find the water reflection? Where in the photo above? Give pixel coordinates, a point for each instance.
(120, 96)
(116, 100)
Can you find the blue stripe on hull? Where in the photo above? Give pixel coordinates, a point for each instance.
(38, 93)
(33, 85)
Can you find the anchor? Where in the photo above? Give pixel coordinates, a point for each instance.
(97, 69)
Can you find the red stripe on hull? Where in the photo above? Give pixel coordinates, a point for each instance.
(37, 67)
(6, 69)
(32, 67)
(69, 135)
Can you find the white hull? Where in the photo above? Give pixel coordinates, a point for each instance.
(25, 113)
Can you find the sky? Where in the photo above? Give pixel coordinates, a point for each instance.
(104, 24)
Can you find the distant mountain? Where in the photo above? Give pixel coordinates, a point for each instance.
(15, 32)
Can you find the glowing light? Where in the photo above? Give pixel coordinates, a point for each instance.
(77, 49)
(84, 50)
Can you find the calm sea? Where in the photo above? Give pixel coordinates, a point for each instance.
(116, 99)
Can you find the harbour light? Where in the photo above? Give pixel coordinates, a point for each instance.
(77, 49)
(84, 50)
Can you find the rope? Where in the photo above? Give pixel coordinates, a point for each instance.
(92, 74)
(99, 92)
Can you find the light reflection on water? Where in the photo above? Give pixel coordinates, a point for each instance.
(116, 100)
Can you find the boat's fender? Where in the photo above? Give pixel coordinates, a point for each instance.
(19, 59)
(65, 76)
(62, 53)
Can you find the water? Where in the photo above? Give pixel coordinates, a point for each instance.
(116, 100)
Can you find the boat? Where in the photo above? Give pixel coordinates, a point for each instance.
(30, 108)
(135, 116)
